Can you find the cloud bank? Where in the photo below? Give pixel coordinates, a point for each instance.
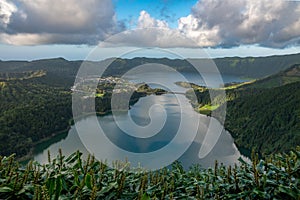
(273, 23)
(211, 23)
(59, 21)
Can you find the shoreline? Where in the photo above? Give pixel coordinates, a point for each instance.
(30, 155)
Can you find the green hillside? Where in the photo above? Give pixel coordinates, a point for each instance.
(284, 77)
(58, 68)
(30, 112)
(58, 72)
(256, 67)
(262, 114)
(267, 120)
(251, 67)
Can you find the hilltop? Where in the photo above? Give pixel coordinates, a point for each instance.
(60, 68)
(284, 77)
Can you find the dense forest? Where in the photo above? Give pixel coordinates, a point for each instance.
(263, 114)
(268, 121)
(31, 112)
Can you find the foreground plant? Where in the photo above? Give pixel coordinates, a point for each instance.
(277, 177)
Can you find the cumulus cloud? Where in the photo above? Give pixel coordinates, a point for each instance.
(221, 23)
(273, 23)
(211, 23)
(149, 37)
(150, 32)
(146, 21)
(59, 21)
(6, 10)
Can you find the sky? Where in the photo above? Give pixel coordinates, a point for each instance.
(72, 29)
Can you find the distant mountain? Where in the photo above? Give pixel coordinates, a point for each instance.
(256, 67)
(251, 67)
(285, 77)
(59, 72)
(62, 72)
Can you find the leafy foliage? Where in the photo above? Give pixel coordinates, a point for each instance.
(73, 178)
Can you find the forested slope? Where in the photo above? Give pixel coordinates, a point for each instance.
(268, 120)
(264, 114)
(30, 112)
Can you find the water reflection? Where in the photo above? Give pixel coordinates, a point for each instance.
(224, 151)
(174, 107)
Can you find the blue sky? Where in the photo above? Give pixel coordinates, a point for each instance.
(169, 10)
(38, 29)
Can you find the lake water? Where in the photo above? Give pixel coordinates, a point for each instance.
(157, 120)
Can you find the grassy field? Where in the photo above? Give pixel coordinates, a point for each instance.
(207, 109)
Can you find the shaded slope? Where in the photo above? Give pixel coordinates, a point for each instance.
(267, 120)
(263, 114)
(285, 77)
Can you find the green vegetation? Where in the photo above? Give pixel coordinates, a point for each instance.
(277, 177)
(267, 120)
(260, 114)
(243, 67)
(207, 109)
(31, 111)
(230, 86)
(190, 85)
(290, 75)
(22, 75)
(36, 104)
(36, 96)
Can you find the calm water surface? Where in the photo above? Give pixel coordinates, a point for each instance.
(170, 107)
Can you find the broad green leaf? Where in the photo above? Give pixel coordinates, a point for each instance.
(88, 181)
(58, 187)
(5, 189)
(145, 197)
(50, 186)
(108, 188)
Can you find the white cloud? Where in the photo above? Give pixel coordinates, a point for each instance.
(146, 21)
(221, 23)
(148, 37)
(211, 23)
(6, 10)
(232, 23)
(59, 21)
(150, 32)
(203, 36)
